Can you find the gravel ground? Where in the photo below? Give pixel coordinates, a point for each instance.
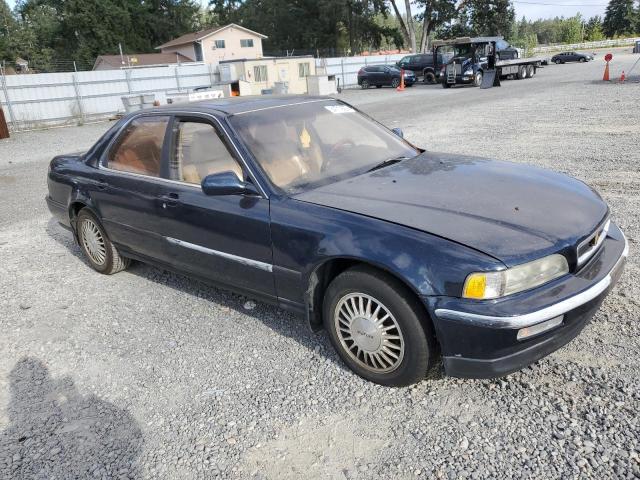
(147, 374)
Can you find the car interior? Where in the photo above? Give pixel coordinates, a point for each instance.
(139, 150)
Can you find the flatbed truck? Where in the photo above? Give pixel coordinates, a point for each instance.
(474, 60)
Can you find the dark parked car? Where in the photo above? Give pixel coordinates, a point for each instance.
(383, 75)
(506, 51)
(421, 64)
(404, 256)
(565, 57)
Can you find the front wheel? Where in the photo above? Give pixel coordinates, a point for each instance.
(557, 62)
(365, 84)
(582, 60)
(445, 84)
(395, 82)
(98, 249)
(477, 79)
(378, 327)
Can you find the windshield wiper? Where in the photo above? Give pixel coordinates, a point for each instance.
(386, 163)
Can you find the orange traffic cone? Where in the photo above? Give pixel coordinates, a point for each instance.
(622, 77)
(401, 87)
(605, 77)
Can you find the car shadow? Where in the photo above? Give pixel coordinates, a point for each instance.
(56, 432)
(277, 319)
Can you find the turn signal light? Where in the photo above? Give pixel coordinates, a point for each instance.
(539, 328)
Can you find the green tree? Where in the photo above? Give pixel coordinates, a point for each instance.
(490, 18)
(620, 18)
(593, 29)
(8, 28)
(571, 30)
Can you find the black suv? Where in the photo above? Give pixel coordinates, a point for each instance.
(422, 64)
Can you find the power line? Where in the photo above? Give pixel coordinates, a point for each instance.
(563, 4)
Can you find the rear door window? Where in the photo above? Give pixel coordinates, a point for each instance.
(139, 147)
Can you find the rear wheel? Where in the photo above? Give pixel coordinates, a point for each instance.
(378, 327)
(522, 72)
(530, 71)
(429, 78)
(395, 82)
(557, 61)
(365, 84)
(100, 252)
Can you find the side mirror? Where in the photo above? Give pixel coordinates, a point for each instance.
(398, 132)
(226, 183)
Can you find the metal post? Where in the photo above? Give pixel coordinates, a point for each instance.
(211, 76)
(13, 120)
(127, 76)
(342, 66)
(78, 97)
(177, 79)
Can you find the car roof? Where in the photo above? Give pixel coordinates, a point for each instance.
(236, 105)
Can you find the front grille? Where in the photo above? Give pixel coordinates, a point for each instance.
(588, 247)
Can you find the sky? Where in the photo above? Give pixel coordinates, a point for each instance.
(532, 9)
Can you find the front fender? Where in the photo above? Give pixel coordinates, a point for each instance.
(306, 236)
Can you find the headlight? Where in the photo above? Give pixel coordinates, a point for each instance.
(487, 285)
(469, 72)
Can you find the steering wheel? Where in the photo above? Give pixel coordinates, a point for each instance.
(339, 145)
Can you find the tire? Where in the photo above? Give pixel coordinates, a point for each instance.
(407, 356)
(378, 86)
(530, 71)
(516, 55)
(477, 78)
(365, 84)
(101, 254)
(429, 78)
(445, 84)
(522, 72)
(395, 82)
(582, 60)
(557, 61)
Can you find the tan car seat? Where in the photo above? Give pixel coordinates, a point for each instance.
(204, 155)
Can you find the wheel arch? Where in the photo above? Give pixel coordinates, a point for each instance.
(77, 202)
(321, 276)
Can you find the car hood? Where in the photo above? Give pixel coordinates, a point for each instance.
(510, 211)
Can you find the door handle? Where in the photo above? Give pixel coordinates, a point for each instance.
(170, 200)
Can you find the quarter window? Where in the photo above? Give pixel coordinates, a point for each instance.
(218, 44)
(260, 73)
(303, 70)
(200, 151)
(246, 42)
(139, 148)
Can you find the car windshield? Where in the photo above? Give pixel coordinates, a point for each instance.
(305, 145)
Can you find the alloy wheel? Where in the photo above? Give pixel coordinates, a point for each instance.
(93, 242)
(369, 332)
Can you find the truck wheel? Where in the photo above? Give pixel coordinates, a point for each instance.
(429, 78)
(378, 328)
(530, 71)
(522, 72)
(365, 84)
(477, 79)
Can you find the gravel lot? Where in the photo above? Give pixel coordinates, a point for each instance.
(147, 374)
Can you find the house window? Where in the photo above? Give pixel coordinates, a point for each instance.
(260, 73)
(303, 70)
(246, 43)
(218, 44)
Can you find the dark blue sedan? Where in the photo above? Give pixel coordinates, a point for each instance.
(409, 259)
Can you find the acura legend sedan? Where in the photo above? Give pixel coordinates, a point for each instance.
(409, 259)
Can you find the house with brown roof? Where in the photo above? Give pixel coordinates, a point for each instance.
(213, 45)
(114, 62)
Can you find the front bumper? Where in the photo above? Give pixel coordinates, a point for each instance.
(479, 338)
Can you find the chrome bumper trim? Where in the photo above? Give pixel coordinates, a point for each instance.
(528, 319)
